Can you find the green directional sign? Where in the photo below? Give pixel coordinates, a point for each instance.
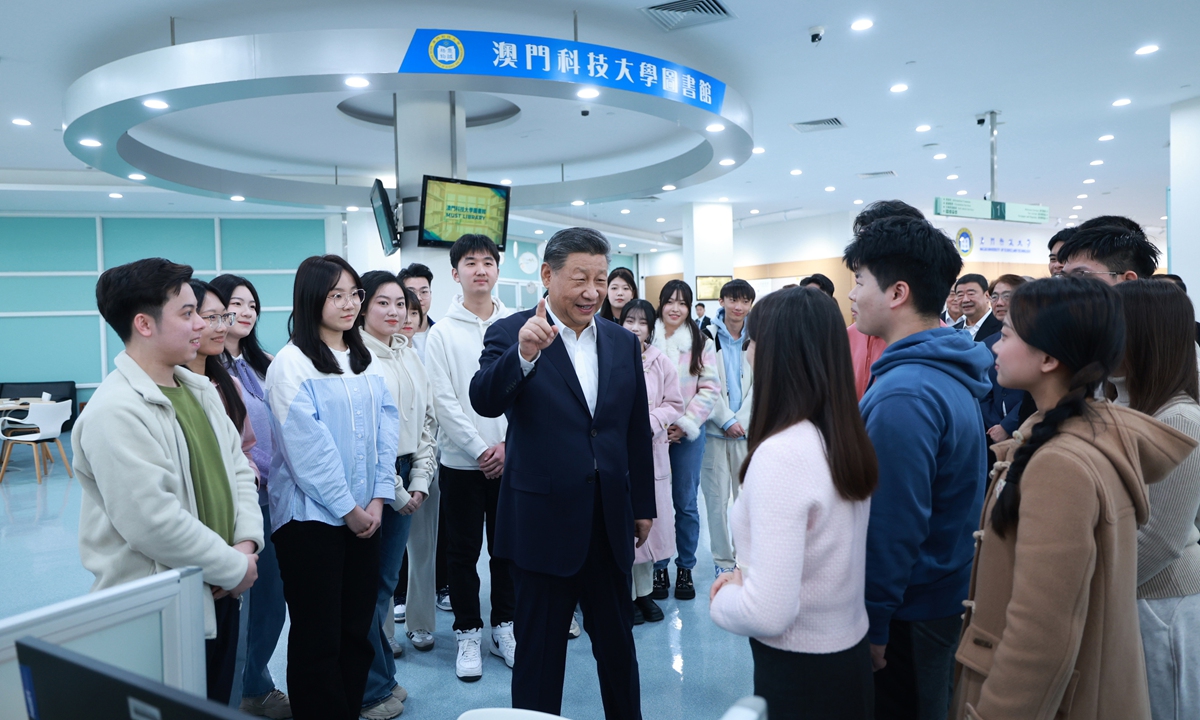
(1015, 212)
(987, 210)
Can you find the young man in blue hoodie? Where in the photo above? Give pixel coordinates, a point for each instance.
(922, 414)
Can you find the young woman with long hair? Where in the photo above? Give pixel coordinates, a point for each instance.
(622, 287)
(334, 465)
(1051, 629)
(800, 520)
(695, 357)
(1158, 377)
(666, 405)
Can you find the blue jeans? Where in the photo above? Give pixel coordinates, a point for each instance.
(687, 457)
(265, 618)
(394, 537)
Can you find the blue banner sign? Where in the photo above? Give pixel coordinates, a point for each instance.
(465, 52)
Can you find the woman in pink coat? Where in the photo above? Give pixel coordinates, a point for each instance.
(666, 406)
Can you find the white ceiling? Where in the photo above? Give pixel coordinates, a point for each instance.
(1053, 69)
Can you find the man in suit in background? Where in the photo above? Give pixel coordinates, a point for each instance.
(702, 321)
(972, 295)
(578, 483)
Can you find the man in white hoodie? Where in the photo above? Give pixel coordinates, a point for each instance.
(165, 482)
(472, 455)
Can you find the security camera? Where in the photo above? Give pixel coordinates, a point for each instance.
(980, 121)
(815, 33)
(585, 113)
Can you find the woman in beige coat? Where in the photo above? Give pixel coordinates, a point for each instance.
(1051, 629)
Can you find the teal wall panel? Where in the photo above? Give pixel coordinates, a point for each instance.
(46, 294)
(273, 290)
(626, 261)
(49, 349)
(270, 244)
(47, 244)
(272, 330)
(115, 346)
(182, 240)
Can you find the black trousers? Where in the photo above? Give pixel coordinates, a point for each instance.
(917, 682)
(469, 500)
(834, 686)
(330, 582)
(545, 604)
(220, 653)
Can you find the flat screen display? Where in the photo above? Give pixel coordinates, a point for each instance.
(385, 219)
(453, 208)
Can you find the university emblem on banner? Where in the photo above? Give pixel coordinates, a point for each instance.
(965, 241)
(446, 51)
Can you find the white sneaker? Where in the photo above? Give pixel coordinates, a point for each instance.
(397, 648)
(420, 639)
(398, 614)
(504, 644)
(575, 630)
(469, 663)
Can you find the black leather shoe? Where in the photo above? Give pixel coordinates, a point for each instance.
(684, 589)
(650, 609)
(662, 585)
(637, 615)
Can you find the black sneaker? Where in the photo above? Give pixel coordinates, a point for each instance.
(637, 615)
(650, 610)
(684, 589)
(443, 600)
(662, 585)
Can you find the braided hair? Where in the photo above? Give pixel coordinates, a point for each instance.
(1080, 323)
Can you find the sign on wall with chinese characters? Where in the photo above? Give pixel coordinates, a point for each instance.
(465, 52)
(989, 245)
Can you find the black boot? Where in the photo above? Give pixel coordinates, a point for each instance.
(649, 609)
(662, 585)
(684, 589)
(638, 619)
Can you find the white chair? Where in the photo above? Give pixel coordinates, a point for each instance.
(506, 714)
(43, 424)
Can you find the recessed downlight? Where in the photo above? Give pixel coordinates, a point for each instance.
(753, 212)
(759, 150)
(940, 156)
(1072, 217)
(797, 171)
(715, 127)
(668, 188)
(1122, 102)
(660, 220)
(961, 192)
(1146, 50)
(1089, 181)
(357, 82)
(830, 188)
(506, 181)
(155, 104)
(863, 24)
(538, 232)
(621, 245)
(577, 203)
(137, 176)
(722, 199)
(951, 177)
(653, 249)
(625, 211)
(1076, 207)
(236, 198)
(1164, 217)
(588, 93)
(923, 128)
(1096, 162)
(89, 142)
(898, 88)
(1070, 224)
(351, 208)
(1106, 138)
(22, 122)
(727, 162)
(858, 202)
(116, 196)
(1081, 197)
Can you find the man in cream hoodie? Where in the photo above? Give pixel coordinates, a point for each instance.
(165, 482)
(472, 455)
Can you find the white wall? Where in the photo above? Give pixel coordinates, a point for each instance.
(811, 238)
(660, 263)
(1184, 209)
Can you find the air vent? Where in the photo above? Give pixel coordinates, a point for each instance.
(687, 13)
(818, 125)
(872, 176)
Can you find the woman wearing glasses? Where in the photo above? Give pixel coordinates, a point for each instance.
(333, 465)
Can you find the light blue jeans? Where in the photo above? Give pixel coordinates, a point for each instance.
(687, 456)
(393, 538)
(1171, 639)
(265, 617)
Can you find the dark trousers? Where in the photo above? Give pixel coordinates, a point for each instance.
(834, 686)
(469, 500)
(545, 604)
(916, 684)
(220, 653)
(441, 566)
(330, 582)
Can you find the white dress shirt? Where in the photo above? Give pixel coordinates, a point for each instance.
(581, 349)
(974, 329)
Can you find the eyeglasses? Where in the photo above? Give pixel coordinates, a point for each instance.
(423, 292)
(1081, 273)
(997, 297)
(354, 297)
(216, 321)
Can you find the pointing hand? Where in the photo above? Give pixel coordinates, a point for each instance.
(537, 333)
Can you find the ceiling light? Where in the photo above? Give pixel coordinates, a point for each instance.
(577, 203)
(116, 196)
(1164, 217)
(621, 245)
(357, 82)
(758, 150)
(1089, 181)
(137, 176)
(727, 162)
(1076, 207)
(723, 199)
(1105, 138)
(830, 188)
(1122, 102)
(351, 208)
(940, 156)
(653, 249)
(88, 142)
(1146, 50)
(715, 127)
(866, 24)
(753, 212)
(1096, 162)
(506, 181)
(1070, 224)
(923, 128)
(236, 198)
(858, 202)
(660, 220)
(625, 211)
(1072, 217)
(899, 88)
(156, 104)
(668, 188)
(588, 93)
(22, 122)
(538, 232)
(797, 171)
(1081, 197)
(951, 177)
(961, 192)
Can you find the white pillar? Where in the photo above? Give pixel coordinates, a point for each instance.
(707, 242)
(1183, 211)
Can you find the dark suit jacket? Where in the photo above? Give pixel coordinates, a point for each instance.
(1001, 406)
(555, 447)
(990, 327)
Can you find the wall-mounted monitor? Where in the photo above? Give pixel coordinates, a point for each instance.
(453, 208)
(385, 218)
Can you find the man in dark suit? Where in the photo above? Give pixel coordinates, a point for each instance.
(976, 308)
(578, 483)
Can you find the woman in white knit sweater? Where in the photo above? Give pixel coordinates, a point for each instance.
(800, 521)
